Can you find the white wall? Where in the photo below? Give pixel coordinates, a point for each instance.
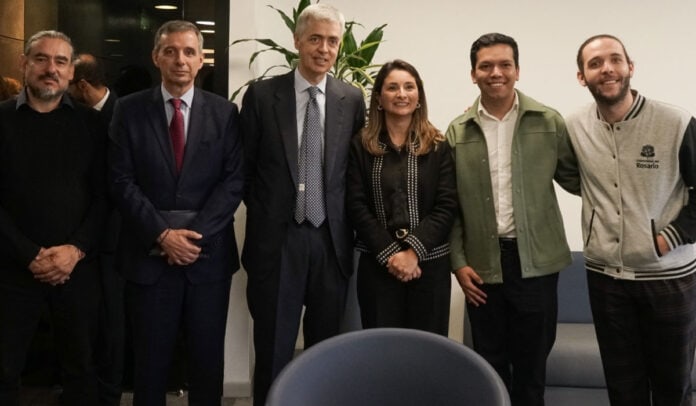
(436, 37)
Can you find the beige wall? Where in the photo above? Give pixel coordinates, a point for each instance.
(11, 36)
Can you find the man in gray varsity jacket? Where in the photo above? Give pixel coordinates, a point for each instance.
(637, 164)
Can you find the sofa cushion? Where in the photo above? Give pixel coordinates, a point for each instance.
(574, 360)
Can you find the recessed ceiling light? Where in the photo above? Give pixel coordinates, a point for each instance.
(112, 40)
(205, 22)
(165, 7)
(209, 60)
(208, 31)
(208, 51)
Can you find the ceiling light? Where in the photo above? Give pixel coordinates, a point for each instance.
(208, 31)
(112, 40)
(209, 60)
(166, 7)
(205, 22)
(208, 51)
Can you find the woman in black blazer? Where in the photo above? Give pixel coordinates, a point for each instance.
(401, 199)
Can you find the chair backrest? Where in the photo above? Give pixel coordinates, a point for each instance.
(573, 298)
(385, 367)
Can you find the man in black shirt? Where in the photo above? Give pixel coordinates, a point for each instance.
(52, 205)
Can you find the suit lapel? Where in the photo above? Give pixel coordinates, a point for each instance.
(333, 124)
(287, 123)
(160, 130)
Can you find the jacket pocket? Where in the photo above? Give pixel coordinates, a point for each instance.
(589, 228)
(653, 232)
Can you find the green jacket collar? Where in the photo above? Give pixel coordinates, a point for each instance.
(527, 104)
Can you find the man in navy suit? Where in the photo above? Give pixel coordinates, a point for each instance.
(177, 249)
(291, 260)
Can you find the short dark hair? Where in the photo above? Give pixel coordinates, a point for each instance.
(177, 26)
(581, 62)
(87, 67)
(490, 39)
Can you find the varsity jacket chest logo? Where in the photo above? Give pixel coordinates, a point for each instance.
(647, 161)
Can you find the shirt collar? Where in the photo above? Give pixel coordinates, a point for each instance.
(514, 109)
(23, 99)
(301, 84)
(100, 105)
(187, 97)
(636, 107)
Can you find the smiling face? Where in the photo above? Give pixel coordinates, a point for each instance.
(399, 94)
(495, 74)
(48, 68)
(606, 71)
(317, 46)
(179, 58)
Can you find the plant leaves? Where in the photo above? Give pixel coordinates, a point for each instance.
(353, 63)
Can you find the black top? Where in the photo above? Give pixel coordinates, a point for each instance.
(52, 178)
(399, 190)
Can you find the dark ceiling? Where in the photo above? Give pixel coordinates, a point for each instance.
(120, 32)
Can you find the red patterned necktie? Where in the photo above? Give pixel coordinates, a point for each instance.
(176, 131)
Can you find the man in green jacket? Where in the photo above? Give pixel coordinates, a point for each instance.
(508, 242)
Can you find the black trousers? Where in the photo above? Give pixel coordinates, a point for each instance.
(516, 328)
(422, 303)
(110, 351)
(308, 276)
(158, 312)
(647, 335)
(73, 309)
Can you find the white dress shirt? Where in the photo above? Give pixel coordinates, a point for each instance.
(499, 134)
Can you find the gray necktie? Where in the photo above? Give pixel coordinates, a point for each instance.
(310, 188)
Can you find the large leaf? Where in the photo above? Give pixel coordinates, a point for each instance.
(374, 37)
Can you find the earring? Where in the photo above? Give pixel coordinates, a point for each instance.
(418, 106)
(379, 107)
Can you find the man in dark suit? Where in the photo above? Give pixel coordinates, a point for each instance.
(52, 206)
(176, 173)
(293, 258)
(89, 88)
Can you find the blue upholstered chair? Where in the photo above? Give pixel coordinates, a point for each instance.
(574, 374)
(388, 367)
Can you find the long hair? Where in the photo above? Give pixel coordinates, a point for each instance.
(423, 136)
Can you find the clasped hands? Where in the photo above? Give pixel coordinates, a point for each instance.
(404, 265)
(54, 265)
(178, 246)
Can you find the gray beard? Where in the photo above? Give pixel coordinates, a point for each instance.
(45, 94)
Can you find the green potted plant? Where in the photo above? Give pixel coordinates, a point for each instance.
(353, 62)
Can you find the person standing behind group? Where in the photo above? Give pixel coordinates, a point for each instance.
(176, 172)
(637, 160)
(52, 210)
(88, 87)
(298, 248)
(401, 199)
(508, 242)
